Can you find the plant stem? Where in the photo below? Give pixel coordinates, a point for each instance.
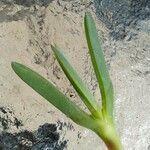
(113, 143)
(110, 136)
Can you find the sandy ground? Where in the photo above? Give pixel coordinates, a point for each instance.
(27, 29)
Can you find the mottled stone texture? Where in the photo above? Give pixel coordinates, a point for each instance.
(27, 30)
(118, 14)
(28, 2)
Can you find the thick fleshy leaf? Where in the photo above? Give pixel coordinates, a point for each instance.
(52, 94)
(76, 82)
(98, 61)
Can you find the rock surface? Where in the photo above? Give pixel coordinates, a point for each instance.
(28, 28)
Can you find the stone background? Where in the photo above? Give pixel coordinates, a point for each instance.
(29, 27)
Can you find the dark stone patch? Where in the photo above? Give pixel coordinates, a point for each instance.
(46, 137)
(28, 3)
(24, 10)
(7, 119)
(66, 125)
(118, 14)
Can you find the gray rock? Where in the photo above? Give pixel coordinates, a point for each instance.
(116, 13)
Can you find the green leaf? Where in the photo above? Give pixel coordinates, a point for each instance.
(53, 95)
(98, 61)
(77, 83)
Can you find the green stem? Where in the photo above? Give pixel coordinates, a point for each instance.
(109, 135)
(113, 143)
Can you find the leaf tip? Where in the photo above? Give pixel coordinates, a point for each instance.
(87, 15)
(52, 47)
(13, 65)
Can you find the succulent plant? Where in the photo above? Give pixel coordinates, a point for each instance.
(100, 120)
